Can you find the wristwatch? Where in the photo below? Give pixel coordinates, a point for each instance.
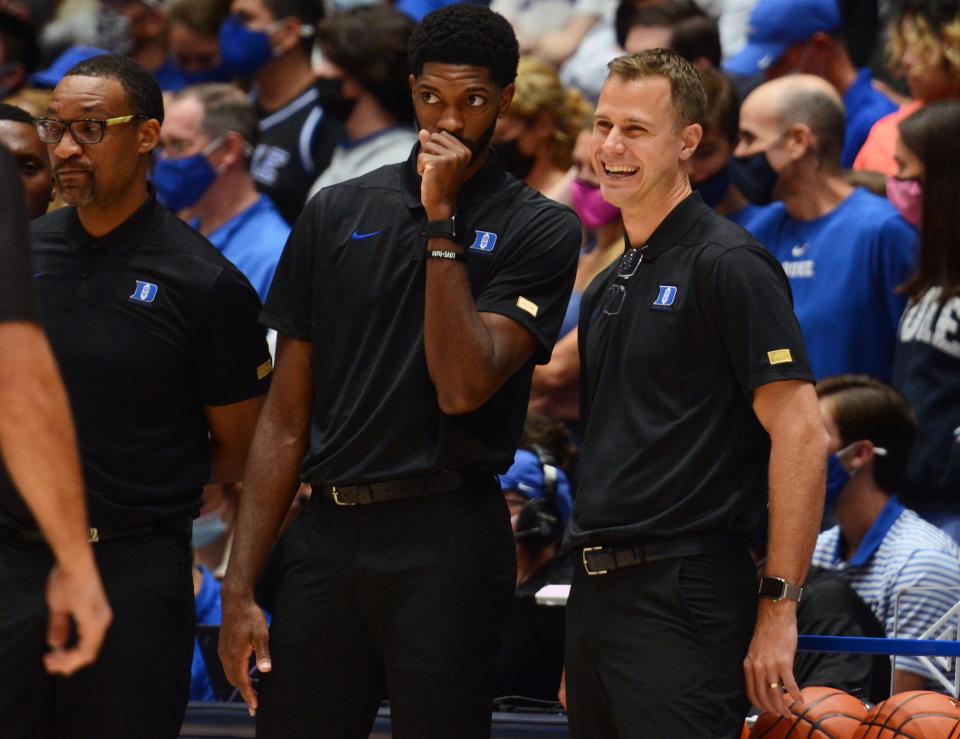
(776, 589)
(447, 228)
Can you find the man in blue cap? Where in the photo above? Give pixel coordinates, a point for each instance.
(828, 38)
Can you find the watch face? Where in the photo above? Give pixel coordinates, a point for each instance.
(772, 587)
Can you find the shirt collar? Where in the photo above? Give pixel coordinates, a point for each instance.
(482, 184)
(128, 235)
(875, 535)
(674, 227)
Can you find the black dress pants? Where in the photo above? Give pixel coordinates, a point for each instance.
(140, 683)
(403, 598)
(656, 650)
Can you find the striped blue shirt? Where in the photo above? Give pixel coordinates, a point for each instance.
(900, 551)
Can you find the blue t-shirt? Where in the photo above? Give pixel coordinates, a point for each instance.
(843, 268)
(746, 215)
(253, 240)
(865, 105)
(208, 612)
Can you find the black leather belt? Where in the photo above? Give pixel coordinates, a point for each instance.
(97, 534)
(601, 560)
(381, 492)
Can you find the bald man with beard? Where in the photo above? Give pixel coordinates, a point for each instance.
(844, 250)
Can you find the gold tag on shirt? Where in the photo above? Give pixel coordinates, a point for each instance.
(780, 356)
(528, 305)
(264, 369)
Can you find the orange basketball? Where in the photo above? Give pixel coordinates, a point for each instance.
(916, 714)
(826, 713)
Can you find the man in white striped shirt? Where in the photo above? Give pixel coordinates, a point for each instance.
(905, 569)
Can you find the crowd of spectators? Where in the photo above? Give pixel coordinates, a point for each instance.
(830, 135)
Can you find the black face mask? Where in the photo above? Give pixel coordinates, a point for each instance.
(754, 177)
(331, 99)
(513, 160)
(714, 188)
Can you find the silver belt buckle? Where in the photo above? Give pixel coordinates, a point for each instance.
(583, 557)
(335, 494)
(93, 535)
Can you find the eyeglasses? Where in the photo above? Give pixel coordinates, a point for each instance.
(616, 293)
(83, 131)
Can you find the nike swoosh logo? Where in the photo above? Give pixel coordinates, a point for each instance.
(41, 274)
(358, 235)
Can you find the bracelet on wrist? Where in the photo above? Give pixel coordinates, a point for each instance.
(456, 256)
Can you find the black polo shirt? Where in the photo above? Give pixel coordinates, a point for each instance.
(149, 325)
(16, 289)
(671, 443)
(351, 281)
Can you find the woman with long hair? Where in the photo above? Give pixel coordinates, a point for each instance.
(927, 361)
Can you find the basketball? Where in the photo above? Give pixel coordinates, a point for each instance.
(826, 713)
(917, 714)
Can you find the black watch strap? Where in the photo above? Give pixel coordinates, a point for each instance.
(446, 228)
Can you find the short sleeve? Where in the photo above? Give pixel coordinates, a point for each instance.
(893, 260)
(16, 281)
(534, 283)
(289, 305)
(234, 362)
(753, 310)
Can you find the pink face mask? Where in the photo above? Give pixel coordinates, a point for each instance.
(589, 205)
(907, 197)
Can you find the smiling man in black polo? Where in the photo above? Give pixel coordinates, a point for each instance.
(412, 304)
(694, 385)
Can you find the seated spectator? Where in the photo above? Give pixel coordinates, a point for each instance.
(926, 366)
(19, 136)
(193, 45)
(709, 166)
(203, 174)
(534, 141)
(905, 569)
(531, 654)
(810, 37)
(679, 25)
(830, 607)
(555, 390)
(843, 249)
(925, 48)
(19, 52)
(270, 41)
(585, 65)
(365, 61)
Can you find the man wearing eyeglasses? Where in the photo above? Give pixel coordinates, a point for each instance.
(166, 368)
(696, 398)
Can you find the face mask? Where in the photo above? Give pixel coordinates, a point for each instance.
(754, 177)
(182, 182)
(907, 197)
(714, 188)
(208, 528)
(243, 51)
(513, 160)
(331, 99)
(838, 477)
(588, 203)
(219, 73)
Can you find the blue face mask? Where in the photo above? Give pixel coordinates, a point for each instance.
(182, 182)
(208, 528)
(714, 188)
(838, 477)
(219, 73)
(243, 51)
(754, 177)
